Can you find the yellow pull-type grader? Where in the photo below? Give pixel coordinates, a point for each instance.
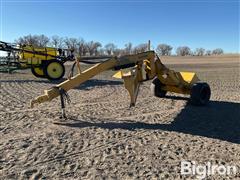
(143, 66)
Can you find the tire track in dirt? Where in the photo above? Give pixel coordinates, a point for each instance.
(95, 149)
(102, 146)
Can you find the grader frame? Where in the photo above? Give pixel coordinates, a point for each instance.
(143, 66)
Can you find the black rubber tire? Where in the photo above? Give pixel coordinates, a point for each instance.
(37, 74)
(200, 94)
(48, 70)
(156, 90)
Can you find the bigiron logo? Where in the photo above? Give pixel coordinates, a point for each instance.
(207, 169)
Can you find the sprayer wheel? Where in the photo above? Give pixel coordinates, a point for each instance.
(38, 72)
(54, 70)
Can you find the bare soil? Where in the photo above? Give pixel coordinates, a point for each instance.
(104, 138)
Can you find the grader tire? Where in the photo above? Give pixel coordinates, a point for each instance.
(156, 88)
(38, 72)
(200, 94)
(54, 70)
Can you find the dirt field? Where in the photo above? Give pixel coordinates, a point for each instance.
(104, 138)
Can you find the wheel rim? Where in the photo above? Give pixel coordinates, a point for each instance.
(55, 70)
(38, 71)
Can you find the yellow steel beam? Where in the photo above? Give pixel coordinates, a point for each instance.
(74, 81)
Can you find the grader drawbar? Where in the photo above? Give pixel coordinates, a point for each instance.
(140, 67)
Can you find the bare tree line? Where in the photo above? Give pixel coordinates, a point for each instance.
(83, 48)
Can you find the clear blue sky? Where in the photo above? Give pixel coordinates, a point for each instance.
(195, 24)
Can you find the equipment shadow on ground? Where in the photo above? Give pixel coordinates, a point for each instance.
(218, 120)
(97, 82)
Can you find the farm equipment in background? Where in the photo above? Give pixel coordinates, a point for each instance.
(45, 62)
(140, 67)
(9, 64)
